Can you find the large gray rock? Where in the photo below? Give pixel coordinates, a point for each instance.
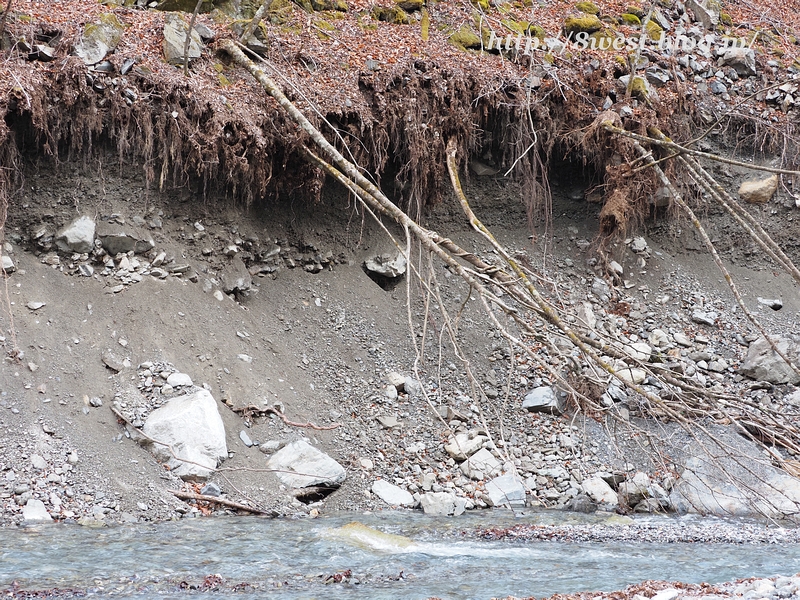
(392, 494)
(78, 236)
(175, 29)
(121, 239)
(763, 364)
(192, 426)
(735, 487)
(100, 38)
(463, 445)
(506, 489)
(300, 465)
(480, 465)
(704, 11)
(599, 491)
(743, 61)
(543, 399)
(35, 511)
(235, 277)
(438, 503)
(8, 264)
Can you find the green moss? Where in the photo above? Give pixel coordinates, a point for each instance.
(654, 31)
(280, 11)
(186, 6)
(639, 88)
(324, 25)
(465, 38)
(588, 24)
(481, 4)
(425, 24)
(223, 81)
(635, 10)
(516, 26)
(602, 40)
(320, 5)
(549, 58)
(24, 18)
(725, 19)
(590, 8)
(631, 19)
(536, 31)
(392, 14)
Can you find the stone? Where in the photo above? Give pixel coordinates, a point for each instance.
(35, 511)
(763, 364)
(386, 270)
(179, 379)
(78, 236)
(658, 338)
(743, 61)
(387, 421)
(121, 239)
(463, 445)
(506, 489)
(586, 314)
(705, 11)
(112, 361)
(211, 489)
(704, 318)
(581, 503)
(438, 503)
(38, 462)
(99, 38)
(543, 399)
(192, 426)
(759, 191)
(773, 303)
(301, 465)
(8, 264)
(245, 438)
(599, 491)
(481, 464)
(235, 277)
(175, 30)
(635, 489)
(639, 351)
(681, 339)
(391, 494)
(33, 305)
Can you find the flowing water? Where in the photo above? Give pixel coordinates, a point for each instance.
(420, 557)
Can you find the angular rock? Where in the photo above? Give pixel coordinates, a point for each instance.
(301, 465)
(481, 464)
(386, 270)
(463, 445)
(763, 364)
(759, 192)
(392, 494)
(635, 489)
(743, 61)
(506, 489)
(113, 362)
(235, 277)
(599, 491)
(121, 239)
(179, 379)
(35, 511)
(704, 318)
(8, 264)
(175, 29)
(581, 503)
(438, 503)
(543, 399)
(78, 236)
(192, 426)
(704, 11)
(98, 39)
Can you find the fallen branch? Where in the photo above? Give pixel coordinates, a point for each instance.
(252, 408)
(251, 26)
(222, 502)
(188, 41)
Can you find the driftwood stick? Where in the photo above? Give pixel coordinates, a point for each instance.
(222, 502)
(188, 41)
(251, 26)
(268, 409)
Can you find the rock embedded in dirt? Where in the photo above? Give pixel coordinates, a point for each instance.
(543, 399)
(99, 38)
(463, 445)
(763, 364)
(191, 425)
(391, 494)
(113, 362)
(743, 61)
(78, 236)
(35, 511)
(506, 489)
(300, 465)
(386, 270)
(121, 239)
(440, 504)
(599, 491)
(760, 191)
(175, 29)
(235, 278)
(8, 264)
(179, 380)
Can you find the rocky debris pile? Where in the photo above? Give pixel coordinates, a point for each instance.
(158, 382)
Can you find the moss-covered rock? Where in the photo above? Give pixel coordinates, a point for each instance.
(481, 4)
(466, 38)
(99, 38)
(602, 40)
(590, 8)
(635, 10)
(640, 89)
(425, 24)
(320, 5)
(410, 5)
(630, 19)
(654, 31)
(390, 14)
(584, 23)
(725, 19)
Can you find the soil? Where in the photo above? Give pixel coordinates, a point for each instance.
(321, 344)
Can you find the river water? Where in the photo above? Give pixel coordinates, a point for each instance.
(294, 558)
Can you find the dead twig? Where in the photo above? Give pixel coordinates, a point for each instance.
(222, 502)
(253, 409)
